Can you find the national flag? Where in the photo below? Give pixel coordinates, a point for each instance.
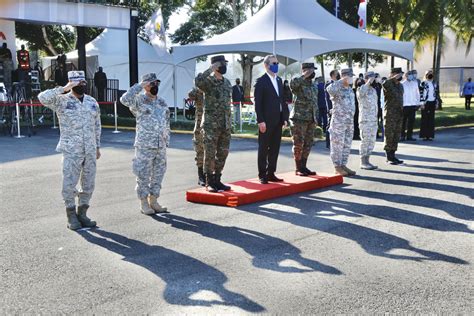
(155, 30)
(362, 12)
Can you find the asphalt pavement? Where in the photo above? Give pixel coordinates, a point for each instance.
(395, 240)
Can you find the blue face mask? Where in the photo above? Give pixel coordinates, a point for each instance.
(274, 68)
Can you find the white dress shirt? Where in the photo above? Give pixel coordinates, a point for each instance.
(411, 93)
(274, 81)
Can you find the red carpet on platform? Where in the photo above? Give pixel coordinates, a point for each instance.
(251, 191)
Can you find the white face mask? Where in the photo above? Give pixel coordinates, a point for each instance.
(350, 80)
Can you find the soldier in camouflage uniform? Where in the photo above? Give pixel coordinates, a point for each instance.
(342, 121)
(393, 114)
(151, 140)
(79, 121)
(304, 117)
(198, 97)
(217, 122)
(368, 110)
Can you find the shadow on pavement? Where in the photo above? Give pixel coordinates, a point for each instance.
(312, 215)
(184, 275)
(268, 252)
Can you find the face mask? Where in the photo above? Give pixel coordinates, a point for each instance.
(338, 77)
(378, 80)
(80, 89)
(350, 80)
(400, 78)
(154, 90)
(311, 77)
(274, 68)
(413, 76)
(430, 77)
(237, 83)
(222, 69)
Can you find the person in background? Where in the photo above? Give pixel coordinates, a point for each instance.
(322, 106)
(23, 57)
(431, 97)
(39, 70)
(60, 75)
(467, 91)
(237, 99)
(368, 108)
(393, 114)
(411, 103)
(334, 75)
(357, 83)
(100, 82)
(287, 95)
(198, 97)
(377, 84)
(7, 61)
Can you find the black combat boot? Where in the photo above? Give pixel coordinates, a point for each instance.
(397, 161)
(82, 216)
(305, 169)
(221, 185)
(211, 183)
(390, 157)
(201, 177)
(299, 169)
(72, 221)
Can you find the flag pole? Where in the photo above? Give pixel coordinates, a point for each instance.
(367, 31)
(274, 28)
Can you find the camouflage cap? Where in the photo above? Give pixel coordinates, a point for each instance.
(217, 58)
(76, 76)
(396, 70)
(150, 77)
(347, 72)
(308, 66)
(370, 74)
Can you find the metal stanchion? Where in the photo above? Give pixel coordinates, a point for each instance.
(54, 120)
(18, 121)
(116, 131)
(240, 114)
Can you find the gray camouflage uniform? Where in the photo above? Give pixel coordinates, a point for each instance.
(368, 110)
(342, 122)
(80, 127)
(151, 139)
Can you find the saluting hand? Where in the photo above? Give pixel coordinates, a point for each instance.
(70, 85)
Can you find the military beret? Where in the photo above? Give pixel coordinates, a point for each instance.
(347, 72)
(76, 75)
(370, 74)
(150, 77)
(308, 65)
(396, 71)
(215, 59)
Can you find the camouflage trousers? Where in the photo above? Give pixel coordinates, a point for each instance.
(198, 146)
(393, 129)
(216, 149)
(78, 167)
(368, 136)
(341, 133)
(303, 138)
(149, 166)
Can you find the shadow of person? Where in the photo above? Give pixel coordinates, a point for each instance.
(408, 158)
(184, 276)
(432, 175)
(374, 242)
(438, 185)
(268, 252)
(398, 215)
(456, 210)
(468, 170)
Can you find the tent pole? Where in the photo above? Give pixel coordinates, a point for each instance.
(366, 62)
(301, 50)
(175, 95)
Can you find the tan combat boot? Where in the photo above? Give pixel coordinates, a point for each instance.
(145, 207)
(340, 171)
(153, 202)
(349, 171)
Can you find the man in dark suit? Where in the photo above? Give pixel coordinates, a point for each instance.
(272, 115)
(237, 99)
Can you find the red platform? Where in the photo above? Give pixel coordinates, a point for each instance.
(251, 191)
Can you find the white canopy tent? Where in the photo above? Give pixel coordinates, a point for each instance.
(111, 49)
(304, 29)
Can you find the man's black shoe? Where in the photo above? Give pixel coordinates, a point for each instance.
(273, 178)
(411, 139)
(263, 180)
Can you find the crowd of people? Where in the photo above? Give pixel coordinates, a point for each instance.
(331, 105)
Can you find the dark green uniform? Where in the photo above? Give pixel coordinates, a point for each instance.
(393, 113)
(217, 123)
(304, 116)
(198, 97)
